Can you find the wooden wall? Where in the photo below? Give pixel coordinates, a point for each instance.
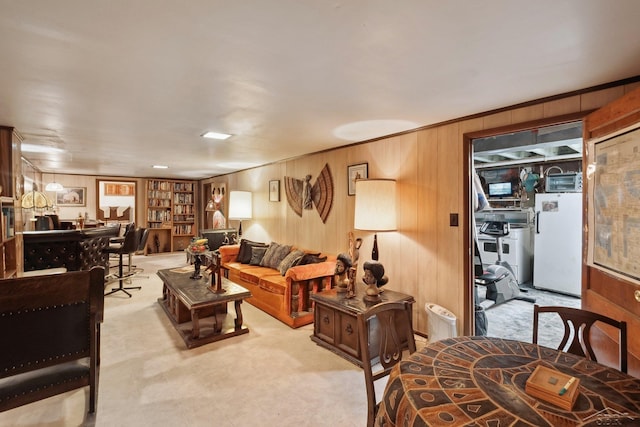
(426, 257)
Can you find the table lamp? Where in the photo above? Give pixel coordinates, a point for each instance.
(375, 208)
(240, 207)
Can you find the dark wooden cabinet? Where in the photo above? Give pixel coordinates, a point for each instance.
(335, 325)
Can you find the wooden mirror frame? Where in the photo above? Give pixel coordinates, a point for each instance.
(116, 189)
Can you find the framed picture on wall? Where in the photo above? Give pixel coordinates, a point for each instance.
(274, 190)
(73, 196)
(354, 173)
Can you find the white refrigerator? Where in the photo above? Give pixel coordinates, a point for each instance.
(557, 255)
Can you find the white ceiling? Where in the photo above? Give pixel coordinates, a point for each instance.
(120, 85)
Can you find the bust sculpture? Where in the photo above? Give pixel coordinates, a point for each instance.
(374, 278)
(341, 278)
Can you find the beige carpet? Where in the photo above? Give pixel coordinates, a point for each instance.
(272, 376)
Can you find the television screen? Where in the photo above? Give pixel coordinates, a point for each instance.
(219, 237)
(500, 189)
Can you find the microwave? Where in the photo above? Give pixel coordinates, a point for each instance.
(564, 182)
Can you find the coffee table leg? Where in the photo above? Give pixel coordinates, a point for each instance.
(195, 324)
(238, 320)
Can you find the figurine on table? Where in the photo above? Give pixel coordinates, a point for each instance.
(351, 286)
(341, 279)
(374, 278)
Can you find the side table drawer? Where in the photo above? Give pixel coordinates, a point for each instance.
(347, 334)
(325, 323)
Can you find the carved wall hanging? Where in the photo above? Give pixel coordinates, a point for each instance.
(302, 195)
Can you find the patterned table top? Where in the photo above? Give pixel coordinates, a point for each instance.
(469, 381)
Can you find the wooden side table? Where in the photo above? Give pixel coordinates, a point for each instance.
(335, 324)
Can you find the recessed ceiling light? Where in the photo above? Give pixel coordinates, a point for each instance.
(215, 135)
(160, 167)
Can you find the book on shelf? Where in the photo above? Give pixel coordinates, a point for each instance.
(553, 386)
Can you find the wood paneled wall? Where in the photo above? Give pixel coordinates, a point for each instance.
(426, 257)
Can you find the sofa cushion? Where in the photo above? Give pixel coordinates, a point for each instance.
(257, 253)
(274, 255)
(244, 254)
(252, 274)
(289, 260)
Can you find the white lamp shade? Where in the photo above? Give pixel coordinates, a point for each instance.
(375, 205)
(240, 205)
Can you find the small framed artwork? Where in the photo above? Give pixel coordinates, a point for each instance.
(354, 173)
(72, 196)
(274, 190)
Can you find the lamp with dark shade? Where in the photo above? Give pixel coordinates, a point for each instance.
(240, 207)
(375, 208)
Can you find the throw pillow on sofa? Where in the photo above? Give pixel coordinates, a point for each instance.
(274, 255)
(244, 253)
(289, 260)
(257, 253)
(311, 259)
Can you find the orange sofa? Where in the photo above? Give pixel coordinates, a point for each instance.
(284, 297)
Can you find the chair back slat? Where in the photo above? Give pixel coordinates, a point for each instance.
(578, 325)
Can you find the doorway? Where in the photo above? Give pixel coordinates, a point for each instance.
(516, 170)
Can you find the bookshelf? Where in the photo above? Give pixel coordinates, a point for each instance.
(11, 250)
(171, 215)
(8, 266)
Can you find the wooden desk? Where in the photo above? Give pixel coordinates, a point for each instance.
(188, 302)
(481, 381)
(335, 321)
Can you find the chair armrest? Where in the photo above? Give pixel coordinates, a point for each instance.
(311, 271)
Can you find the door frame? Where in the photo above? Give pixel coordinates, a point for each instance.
(467, 152)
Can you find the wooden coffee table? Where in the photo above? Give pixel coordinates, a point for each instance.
(197, 312)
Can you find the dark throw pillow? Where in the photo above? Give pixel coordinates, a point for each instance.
(288, 261)
(311, 259)
(244, 253)
(275, 254)
(257, 253)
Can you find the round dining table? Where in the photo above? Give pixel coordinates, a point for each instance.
(480, 381)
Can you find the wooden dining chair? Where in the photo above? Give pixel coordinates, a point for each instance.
(577, 327)
(385, 331)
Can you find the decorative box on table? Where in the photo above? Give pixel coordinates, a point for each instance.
(547, 384)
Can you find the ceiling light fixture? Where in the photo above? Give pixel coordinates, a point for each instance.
(215, 135)
(160, 167)
(54, 186)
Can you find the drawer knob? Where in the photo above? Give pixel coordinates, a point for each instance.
(636, 294)
(349, 329)
(325, 319)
